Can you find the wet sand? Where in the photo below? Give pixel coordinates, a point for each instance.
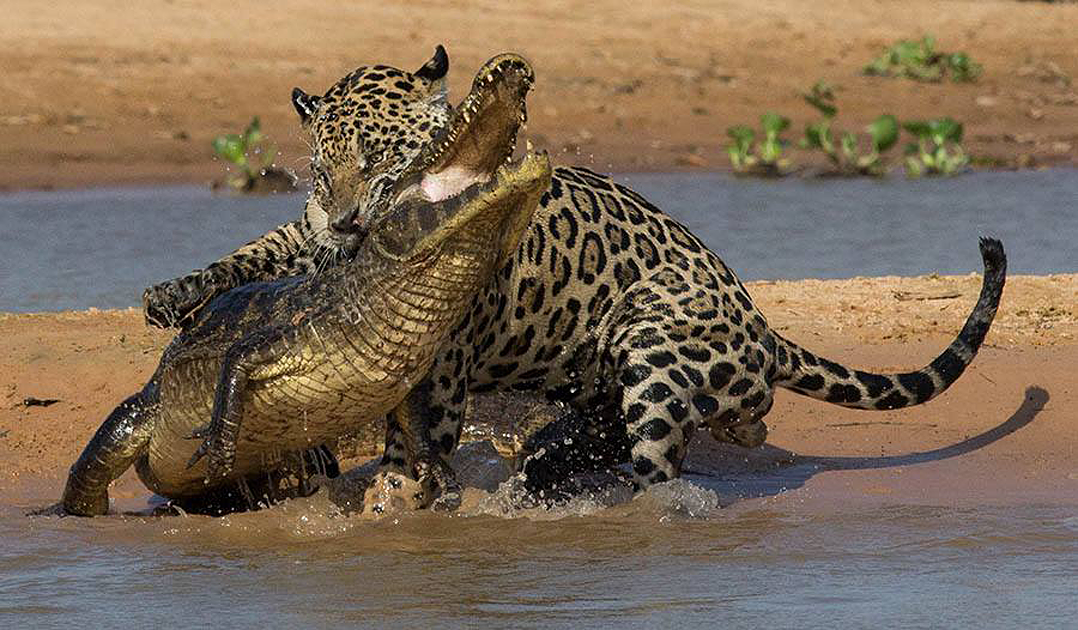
(1007, 428)
(104, 92)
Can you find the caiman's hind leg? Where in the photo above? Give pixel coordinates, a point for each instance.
(117, 444)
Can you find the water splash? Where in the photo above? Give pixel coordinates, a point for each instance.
(680, 498)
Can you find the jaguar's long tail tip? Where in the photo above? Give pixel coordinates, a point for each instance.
(992, 252)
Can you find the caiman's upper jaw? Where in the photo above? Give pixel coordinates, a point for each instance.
(479, 138)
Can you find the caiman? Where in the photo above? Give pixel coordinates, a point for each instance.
(283, 367)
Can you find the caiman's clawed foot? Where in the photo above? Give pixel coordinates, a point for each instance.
(220, 453)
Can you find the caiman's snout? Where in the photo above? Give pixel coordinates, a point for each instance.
(464, 187)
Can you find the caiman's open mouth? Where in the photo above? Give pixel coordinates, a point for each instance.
(480, 137)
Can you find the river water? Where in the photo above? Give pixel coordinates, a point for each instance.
(692, 553)
(671, 558)
(77, 249)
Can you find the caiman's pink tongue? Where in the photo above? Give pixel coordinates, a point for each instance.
(449, 182)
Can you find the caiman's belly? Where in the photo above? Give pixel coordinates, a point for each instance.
(282, 415)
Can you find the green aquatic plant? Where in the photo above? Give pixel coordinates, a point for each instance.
(252, 157)
(938, 149)
(846, 155)
(764, 157)
(919, 60)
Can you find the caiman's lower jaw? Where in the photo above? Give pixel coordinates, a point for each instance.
(479, 138)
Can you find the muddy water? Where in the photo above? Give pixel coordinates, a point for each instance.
(671, 560)
(690, 553)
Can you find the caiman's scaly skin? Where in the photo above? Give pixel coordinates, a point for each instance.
(286, 366)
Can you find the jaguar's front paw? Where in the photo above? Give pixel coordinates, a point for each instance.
(439, 484)
(175, 303)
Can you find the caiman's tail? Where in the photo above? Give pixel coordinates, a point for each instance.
(801, 371)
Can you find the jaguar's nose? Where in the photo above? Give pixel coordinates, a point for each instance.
(348, 222)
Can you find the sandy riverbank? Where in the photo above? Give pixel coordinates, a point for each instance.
(103, 92)
(91, 360)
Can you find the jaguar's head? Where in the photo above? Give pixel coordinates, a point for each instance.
(382, 134)
(365, 129)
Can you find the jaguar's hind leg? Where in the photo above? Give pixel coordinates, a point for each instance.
(673, 369)
(574, 444)
(662, 408)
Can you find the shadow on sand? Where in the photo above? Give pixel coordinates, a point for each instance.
(735, 473)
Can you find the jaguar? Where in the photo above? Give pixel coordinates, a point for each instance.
(609, 305)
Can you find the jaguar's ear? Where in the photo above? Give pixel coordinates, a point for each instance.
(304, 103)
(435, 69)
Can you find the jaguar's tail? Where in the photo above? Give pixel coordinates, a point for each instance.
(805, 373)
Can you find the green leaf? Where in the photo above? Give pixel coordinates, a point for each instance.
(818, 135)
(822, 97)
(231, 148)
(906, 51)
(940, 157)
(773, 123)
(944, 129)
(914, 167)
(741, 134)
(268, 155)
(879, 67)
(884, 132)
(963, 68)
(918, 128)
(253, 134)
(849, 146)
(735, 157)
(956, 131)
(922, 72)
(770, 150)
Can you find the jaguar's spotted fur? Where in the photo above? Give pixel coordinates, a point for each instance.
(618, 310)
